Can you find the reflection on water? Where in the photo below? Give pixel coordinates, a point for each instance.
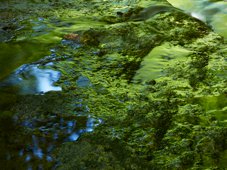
(212, 12)
(32, 80)
(28, 138)
(215, 105)
(52, 133)
(29, 144)
(13, 55)
(159, 58)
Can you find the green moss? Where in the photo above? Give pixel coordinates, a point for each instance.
(155, 123)
(153, 83)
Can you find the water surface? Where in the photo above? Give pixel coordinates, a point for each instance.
(214, 13)
(28, 137)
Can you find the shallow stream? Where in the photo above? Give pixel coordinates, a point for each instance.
(26, 40)
(214, 13)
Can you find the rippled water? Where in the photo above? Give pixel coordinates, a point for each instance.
(29, 142)
(158, 58)
(33, 149)
(15, 54)
(214, 13)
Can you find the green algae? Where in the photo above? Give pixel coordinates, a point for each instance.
(153, 124)
(164, 123)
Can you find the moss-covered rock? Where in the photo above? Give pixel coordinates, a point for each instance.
(148, 122)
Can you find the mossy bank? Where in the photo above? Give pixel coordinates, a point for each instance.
(157, 83)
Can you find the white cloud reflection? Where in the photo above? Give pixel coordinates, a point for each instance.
(45, 79)
(33, 80)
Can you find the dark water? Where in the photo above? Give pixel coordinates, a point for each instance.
(15, 54)
(28, 142)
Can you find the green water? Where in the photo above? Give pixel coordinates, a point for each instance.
(211, 12)
(215, 105)
(159, 58)
(16, 54)
(29, 32)
(150, 76)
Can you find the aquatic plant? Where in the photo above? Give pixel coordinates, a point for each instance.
(173, 120)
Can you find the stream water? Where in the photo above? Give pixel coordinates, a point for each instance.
(25, 39)
(21, 76)
(214, 13)
(28, 143)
